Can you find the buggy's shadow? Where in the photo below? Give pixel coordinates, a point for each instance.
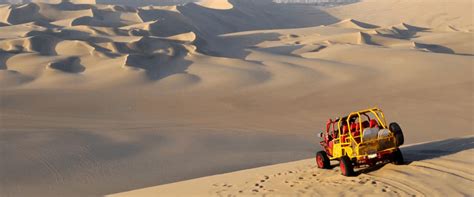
(430, 150)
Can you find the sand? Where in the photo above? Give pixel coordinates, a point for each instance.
(100, 99)
(432, 169)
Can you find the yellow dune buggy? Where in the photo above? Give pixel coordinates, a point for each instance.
(360, 139)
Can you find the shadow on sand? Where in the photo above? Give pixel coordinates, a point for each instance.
(430, 150)
(436, 149)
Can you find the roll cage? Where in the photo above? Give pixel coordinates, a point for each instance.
(372, 113)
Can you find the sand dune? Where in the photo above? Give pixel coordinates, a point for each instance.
(440, 168)
(441, 13)
(4, 13)
(351, 23)
(99, 99)
(68, 1)
(216, 4)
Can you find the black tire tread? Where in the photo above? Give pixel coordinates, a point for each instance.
(348, 165)
(398, 157)
(326, 162)
(397, 131)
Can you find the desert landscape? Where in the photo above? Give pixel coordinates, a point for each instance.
(226, 98)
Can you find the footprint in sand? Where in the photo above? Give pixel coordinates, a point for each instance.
(293, 36)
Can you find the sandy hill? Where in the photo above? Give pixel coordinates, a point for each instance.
(432, 170)
(62, 1)
(98, 99)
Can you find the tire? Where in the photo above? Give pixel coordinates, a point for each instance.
(398, 157)
(322, 160)
(397, 132)
(347, 169)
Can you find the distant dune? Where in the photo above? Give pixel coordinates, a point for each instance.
(115, 2)
(99, 99)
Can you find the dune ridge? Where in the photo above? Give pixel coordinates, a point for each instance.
(216, 4)
(68, 29)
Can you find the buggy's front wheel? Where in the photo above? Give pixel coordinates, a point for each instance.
(347, 169)
(322, 160)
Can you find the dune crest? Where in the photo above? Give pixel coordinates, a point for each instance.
(351, 23)
(65, 1)
(216, 4)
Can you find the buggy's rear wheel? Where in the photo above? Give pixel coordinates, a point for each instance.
(397, 132)
(398, 157)
(347, 169)
(322, 160)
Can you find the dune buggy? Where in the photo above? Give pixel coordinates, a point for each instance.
(360, 139)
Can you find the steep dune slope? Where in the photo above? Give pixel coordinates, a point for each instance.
(438, 168)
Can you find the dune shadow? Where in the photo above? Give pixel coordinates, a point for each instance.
(430, 150)
(434, 48)
(4, 56)
(402, 31)
(408, 31)
(42, 43)
(159, 66)
(436, 149)
(24, 13)
(165, 23)
(364, 25)
(367, 39)
(247, 41)
(69, 65)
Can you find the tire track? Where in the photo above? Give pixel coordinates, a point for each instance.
(445, 171)
(398, 185)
